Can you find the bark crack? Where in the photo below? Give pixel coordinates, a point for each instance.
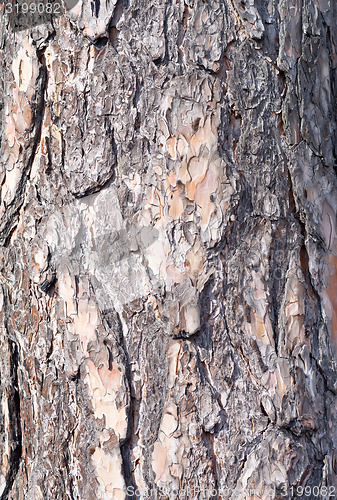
(12, 213)
(15, 433)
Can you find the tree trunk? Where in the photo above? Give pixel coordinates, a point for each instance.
(169, 251)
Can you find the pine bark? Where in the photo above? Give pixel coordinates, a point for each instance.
(168, 323)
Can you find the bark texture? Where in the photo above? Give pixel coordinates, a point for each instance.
(169, 251)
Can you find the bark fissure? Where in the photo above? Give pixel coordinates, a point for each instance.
(13, 402)
(13, 209)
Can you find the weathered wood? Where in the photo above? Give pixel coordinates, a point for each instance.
(169, 251)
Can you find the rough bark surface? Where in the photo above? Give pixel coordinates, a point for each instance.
(169, 251)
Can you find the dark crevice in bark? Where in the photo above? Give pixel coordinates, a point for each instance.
(327, 385)
(294, 207)
(315, 153)
(249, 448)
(12, 213)
(181, 36)
(126, 445)
(14, 413)
(186, 336)
(309, 279)
(209, 71)
(333, 84)
(208, 439)
(69, 478)
(252, 348)
(264, 412)
(278, 270)
(100, 42)
(113, 321)
(136, 99)
(104, 184)
(113, 32)
(204, 376)
(165, 61)
(15, 421)
(97, 188)
(95, 5)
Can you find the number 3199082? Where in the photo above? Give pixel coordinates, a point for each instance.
(309, 491)
(33, 8)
